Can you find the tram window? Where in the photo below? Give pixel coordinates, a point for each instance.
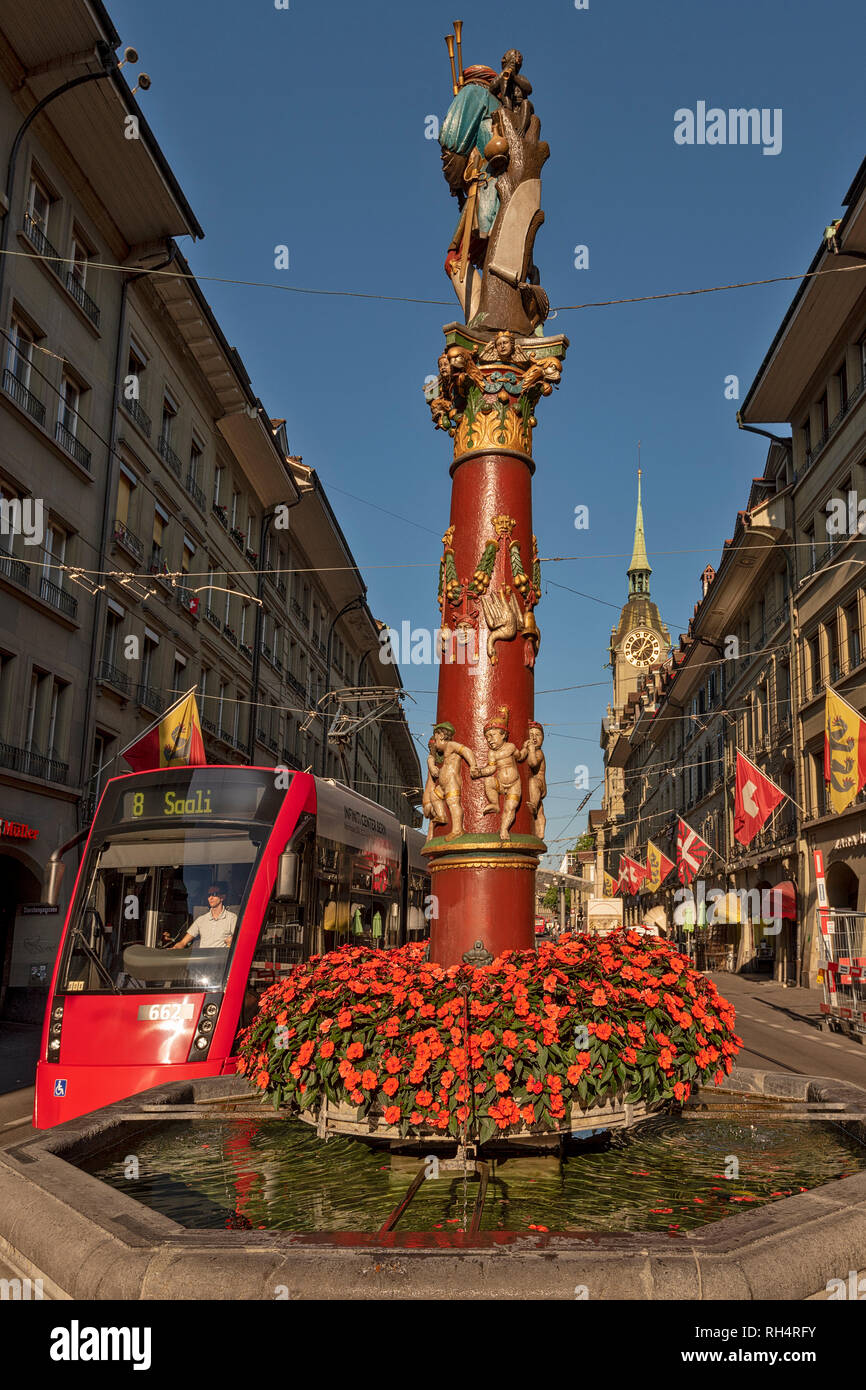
(140, 894)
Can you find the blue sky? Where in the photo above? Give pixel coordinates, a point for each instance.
(306, 127)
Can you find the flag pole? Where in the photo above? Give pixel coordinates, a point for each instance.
(156, 723)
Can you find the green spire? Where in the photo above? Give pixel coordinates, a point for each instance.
(639, 570)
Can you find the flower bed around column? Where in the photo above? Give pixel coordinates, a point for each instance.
(498, 1049)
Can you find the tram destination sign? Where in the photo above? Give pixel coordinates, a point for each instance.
(239, 800)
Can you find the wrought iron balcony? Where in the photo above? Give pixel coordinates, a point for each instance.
(229, 635)
(112, 675)
(289, 760)
(277, 664)
(149, 698)
(32, 764)
(238, 537)
(266, 651)
(209, 726)
(188, 600)
(245, 650)
(221, 514)
(139, 415)
(296, 685)
(281, 588)
(130, 542)
(58, 598)
(167, 453)
(82, 298)
(37, 238)
(67, 440)
(21, 396)
(15, 570)
(196, 492)
(302, 617)
(213, 618)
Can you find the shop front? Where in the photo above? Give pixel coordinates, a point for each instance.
(29, 931)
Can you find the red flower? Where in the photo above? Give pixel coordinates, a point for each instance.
(391, 1114)
(344, 1019)
(629, 1055)
(393, 1065)
(326, 1049)
(510, 1040)
(424, 1098)
(354, 1050)
(601, 1030)
(599, 997)
(391, 1086)
(527, 1114)
(262, 1079)
(305, 1053)
(357, 1097)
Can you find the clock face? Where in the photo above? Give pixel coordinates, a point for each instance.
(642, 648)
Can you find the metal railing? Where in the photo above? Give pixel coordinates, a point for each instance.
(112, 675)
(229, 635)
(167, 453)
(139, 415)
(128, 539)
(58, 598)
(33, 764)
(196, 492)
(82, 298)
(221, 514)
(213, 618)
(15, 570)
(150, 698)
(296, 685)
(21, 396)
(289, 760)
(68, 441)
(245, 650)
(302, 617)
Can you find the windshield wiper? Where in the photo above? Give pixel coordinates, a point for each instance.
(89, 951)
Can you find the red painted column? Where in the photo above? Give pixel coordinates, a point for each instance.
(484, 884)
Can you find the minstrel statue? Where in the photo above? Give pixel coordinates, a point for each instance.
(492, 156)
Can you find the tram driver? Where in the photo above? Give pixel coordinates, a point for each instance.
(213, 928)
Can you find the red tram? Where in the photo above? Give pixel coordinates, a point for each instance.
(303, 865)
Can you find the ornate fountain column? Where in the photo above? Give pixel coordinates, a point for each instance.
(487, 763)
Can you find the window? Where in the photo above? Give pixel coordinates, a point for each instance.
(814, 647)
(195, 453)
(228, 606)
(169, 414)
(842, 379)
(151, 645)
(221, 704)
(862, 346)
(806, 432)
(244, 611)
(179, 685)
(136, 365)
(824, 415)
(30, 730)
(125, 483)
(250, 524)
(217, 483)
(811, 551)
(157, 557)
(832, 629)
(187, 558)
(819, 787)
(38, 207)
(54, 554)
(852, 625)
(19, 354)
(79, 254)
(68, 407)
(100, 768)
(111, 638)
(236, 497)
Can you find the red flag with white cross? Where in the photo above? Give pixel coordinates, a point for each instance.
(755, 799)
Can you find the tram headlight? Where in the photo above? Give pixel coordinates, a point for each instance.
(201, 1043)
(211, 1011)
(54, 1045)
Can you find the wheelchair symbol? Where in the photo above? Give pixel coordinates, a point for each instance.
(60, 1087)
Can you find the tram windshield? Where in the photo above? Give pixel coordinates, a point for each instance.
(165, 882)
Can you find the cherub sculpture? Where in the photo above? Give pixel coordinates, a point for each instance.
(451, 753)
(501, 774)
(536, 789)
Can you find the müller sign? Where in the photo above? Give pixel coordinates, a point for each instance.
(18, 830)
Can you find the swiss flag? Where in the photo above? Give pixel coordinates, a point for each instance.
(631, 874)
(756, 798)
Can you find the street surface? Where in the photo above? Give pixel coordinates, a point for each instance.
(780, 1030)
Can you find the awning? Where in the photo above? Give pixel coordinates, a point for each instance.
(788, 899)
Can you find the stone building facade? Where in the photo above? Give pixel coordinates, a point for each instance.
(156, 533)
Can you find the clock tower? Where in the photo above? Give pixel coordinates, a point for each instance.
(640, 640)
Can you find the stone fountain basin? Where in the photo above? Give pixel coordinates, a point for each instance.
(87, 1240)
